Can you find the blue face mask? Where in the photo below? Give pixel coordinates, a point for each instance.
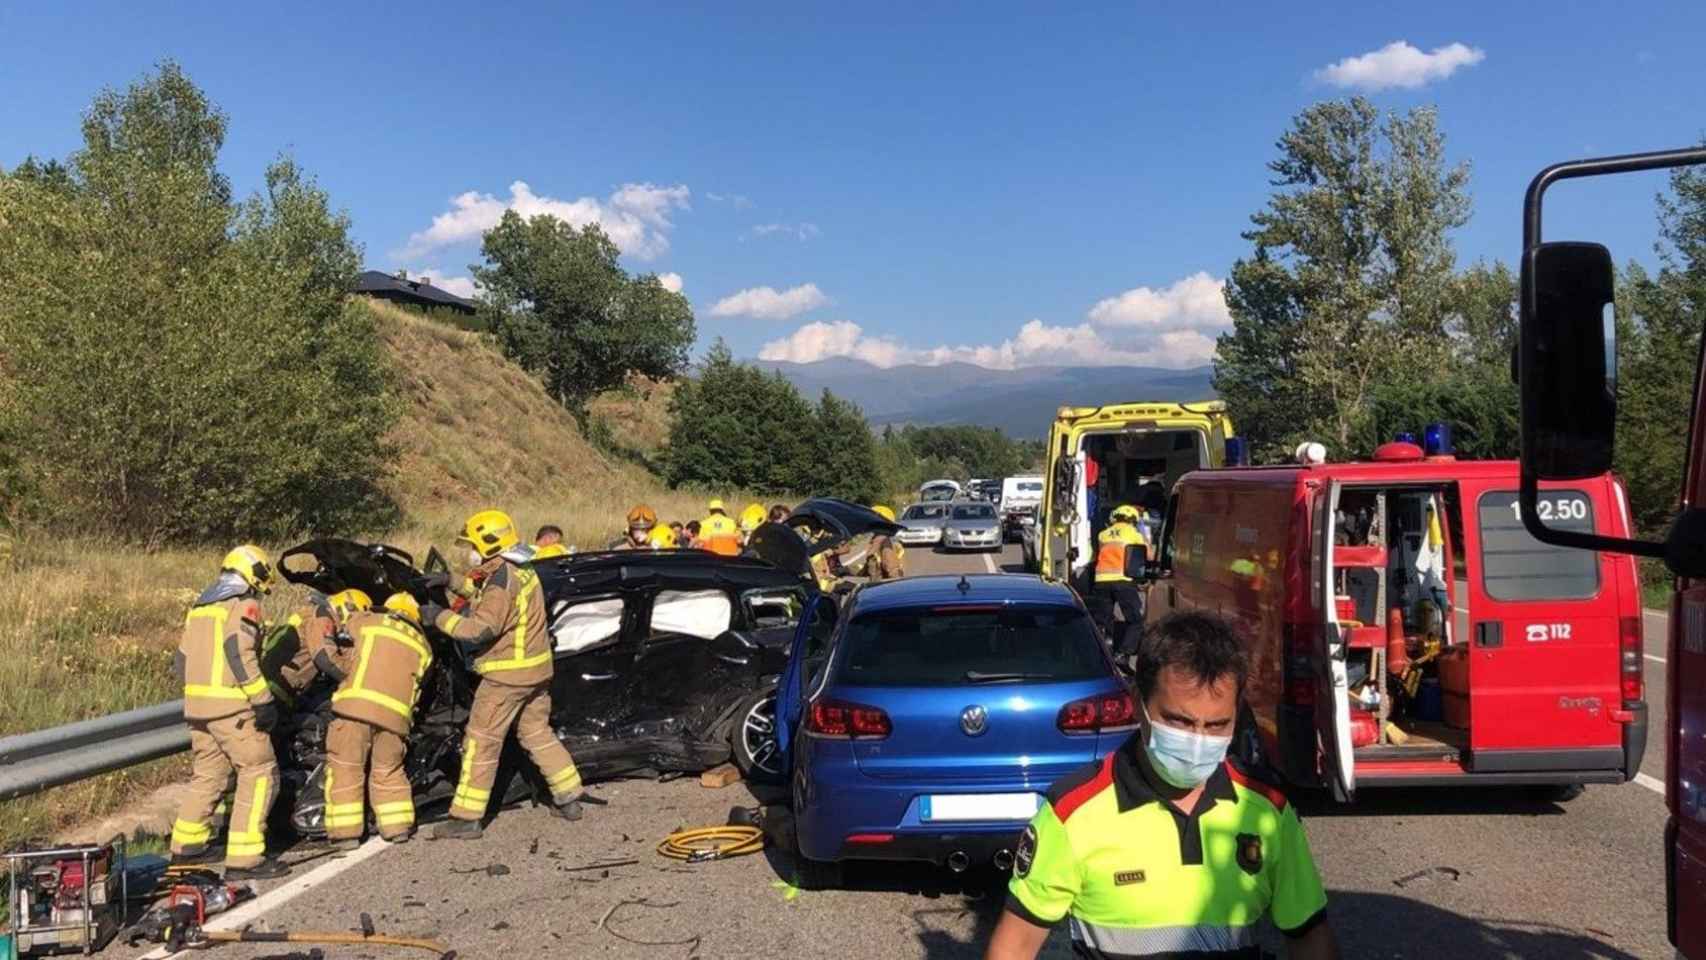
(1183, 758)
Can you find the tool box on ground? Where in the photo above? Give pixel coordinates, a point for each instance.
(66, 899)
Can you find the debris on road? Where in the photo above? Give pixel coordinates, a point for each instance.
(1431, 873)
(691, 943)
(719, 777)
(490, 870)
(606, 865)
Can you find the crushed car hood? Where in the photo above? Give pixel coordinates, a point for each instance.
(330, 564)
(790, 546)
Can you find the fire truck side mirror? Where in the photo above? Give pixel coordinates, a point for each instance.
(1568, 361)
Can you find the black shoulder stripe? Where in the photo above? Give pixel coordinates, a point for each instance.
(1072, 781)
(501, 577)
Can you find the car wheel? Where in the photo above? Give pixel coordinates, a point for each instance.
(1557, 793)
(753, 739)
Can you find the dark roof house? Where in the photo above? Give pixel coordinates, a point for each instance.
(417, 293)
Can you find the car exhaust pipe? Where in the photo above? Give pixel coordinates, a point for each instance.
(1003, 859)
(958, 861)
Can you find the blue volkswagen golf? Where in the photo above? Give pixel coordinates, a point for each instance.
(925, 718)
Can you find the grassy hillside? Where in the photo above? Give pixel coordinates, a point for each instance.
(635, 419)
(88, 626)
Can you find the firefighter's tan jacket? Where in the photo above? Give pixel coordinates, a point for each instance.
(383, 674)
(506, 625)
(219, 659)
(302, 647)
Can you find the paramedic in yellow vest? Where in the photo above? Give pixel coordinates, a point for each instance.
(230, 711)
(372, 711)
(1112, 587)
(506, 631)
(1167, 847)
(885, 558)
(718, 532)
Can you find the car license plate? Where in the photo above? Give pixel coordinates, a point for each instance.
(937, 807)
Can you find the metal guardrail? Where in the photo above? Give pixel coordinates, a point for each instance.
(33, 762)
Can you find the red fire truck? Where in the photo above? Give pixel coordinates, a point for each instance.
(1407, 629)
(1566, 364)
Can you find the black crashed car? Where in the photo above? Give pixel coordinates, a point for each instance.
(666, 661)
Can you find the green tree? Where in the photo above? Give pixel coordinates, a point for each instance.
(1349, 276)
(176, 365)
(843, 460)
(735, 426)
(560, 304)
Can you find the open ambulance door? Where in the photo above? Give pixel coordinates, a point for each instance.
(1332, 688)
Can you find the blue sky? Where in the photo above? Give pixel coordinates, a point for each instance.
(1008, 184)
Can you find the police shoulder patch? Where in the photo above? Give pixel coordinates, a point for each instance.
(1250, 853)
(1027, 852)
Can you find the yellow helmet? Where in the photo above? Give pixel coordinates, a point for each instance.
(404, 606)
(490, 532)
(346, 603)
(752, 517)
(663, 537)
(250, 562)
(642, 516)
(1125, 512)
(886, 513)
(716, 506)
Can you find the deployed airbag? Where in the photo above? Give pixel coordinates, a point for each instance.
(584, 626)
(706, 614)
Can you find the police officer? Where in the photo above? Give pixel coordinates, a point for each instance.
(506, 630)
(1166, 847)
(1112, 586)
(230, 710)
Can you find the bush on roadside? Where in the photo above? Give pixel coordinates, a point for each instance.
(175, 364)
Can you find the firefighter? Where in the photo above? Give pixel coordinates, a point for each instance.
(506, 631)
(230, 710)
(886, 557)
(662, 537)
(548, 543)
(372, 712)
(641, 520)
(718, 533)
(1113, 588)
(751, 519)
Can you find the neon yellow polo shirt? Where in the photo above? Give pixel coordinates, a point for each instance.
(1140, 879)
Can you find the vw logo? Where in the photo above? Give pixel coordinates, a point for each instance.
(974, 720)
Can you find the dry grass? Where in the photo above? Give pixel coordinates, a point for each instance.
(638, 416)
(88, 626)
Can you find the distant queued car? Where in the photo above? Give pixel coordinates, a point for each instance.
(972, 525)
(924, 719)
(921, 524)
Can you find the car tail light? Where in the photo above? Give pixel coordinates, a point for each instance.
(1629, 642)
(1104, 712)
(846, 721)
(870, 838)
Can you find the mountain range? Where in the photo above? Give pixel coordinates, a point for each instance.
(1021, 402)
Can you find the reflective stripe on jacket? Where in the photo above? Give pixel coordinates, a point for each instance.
(384, 681)
(219, 661)
(507, 625)
(720, 535)
(1111, 549)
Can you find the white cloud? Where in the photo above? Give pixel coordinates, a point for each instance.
(800, 231)
(1174, 326)
(736, 200)
(768, 303)
(636, 216)
(1399, 65)
(461, 286)
(671, 282)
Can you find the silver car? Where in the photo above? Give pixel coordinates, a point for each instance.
(921, 524)
(972, 526)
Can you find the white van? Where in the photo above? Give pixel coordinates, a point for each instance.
(1021, 498)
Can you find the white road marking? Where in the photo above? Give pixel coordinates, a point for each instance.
(989, 563)
(1651, 783)
(282, 894)
(1653, 658)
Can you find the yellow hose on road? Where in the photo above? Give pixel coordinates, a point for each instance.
(700, 844)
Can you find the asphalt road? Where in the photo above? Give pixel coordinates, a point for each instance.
(1459, 873)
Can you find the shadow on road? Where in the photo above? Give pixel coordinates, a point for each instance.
(1430, 801)
(1383, 925)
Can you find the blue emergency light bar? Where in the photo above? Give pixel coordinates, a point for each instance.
(1436, 440)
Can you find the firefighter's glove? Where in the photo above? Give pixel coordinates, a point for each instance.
(266, 716)
(432, 581)
(430, 612)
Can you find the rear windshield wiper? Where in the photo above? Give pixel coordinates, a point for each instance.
(973, 676)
